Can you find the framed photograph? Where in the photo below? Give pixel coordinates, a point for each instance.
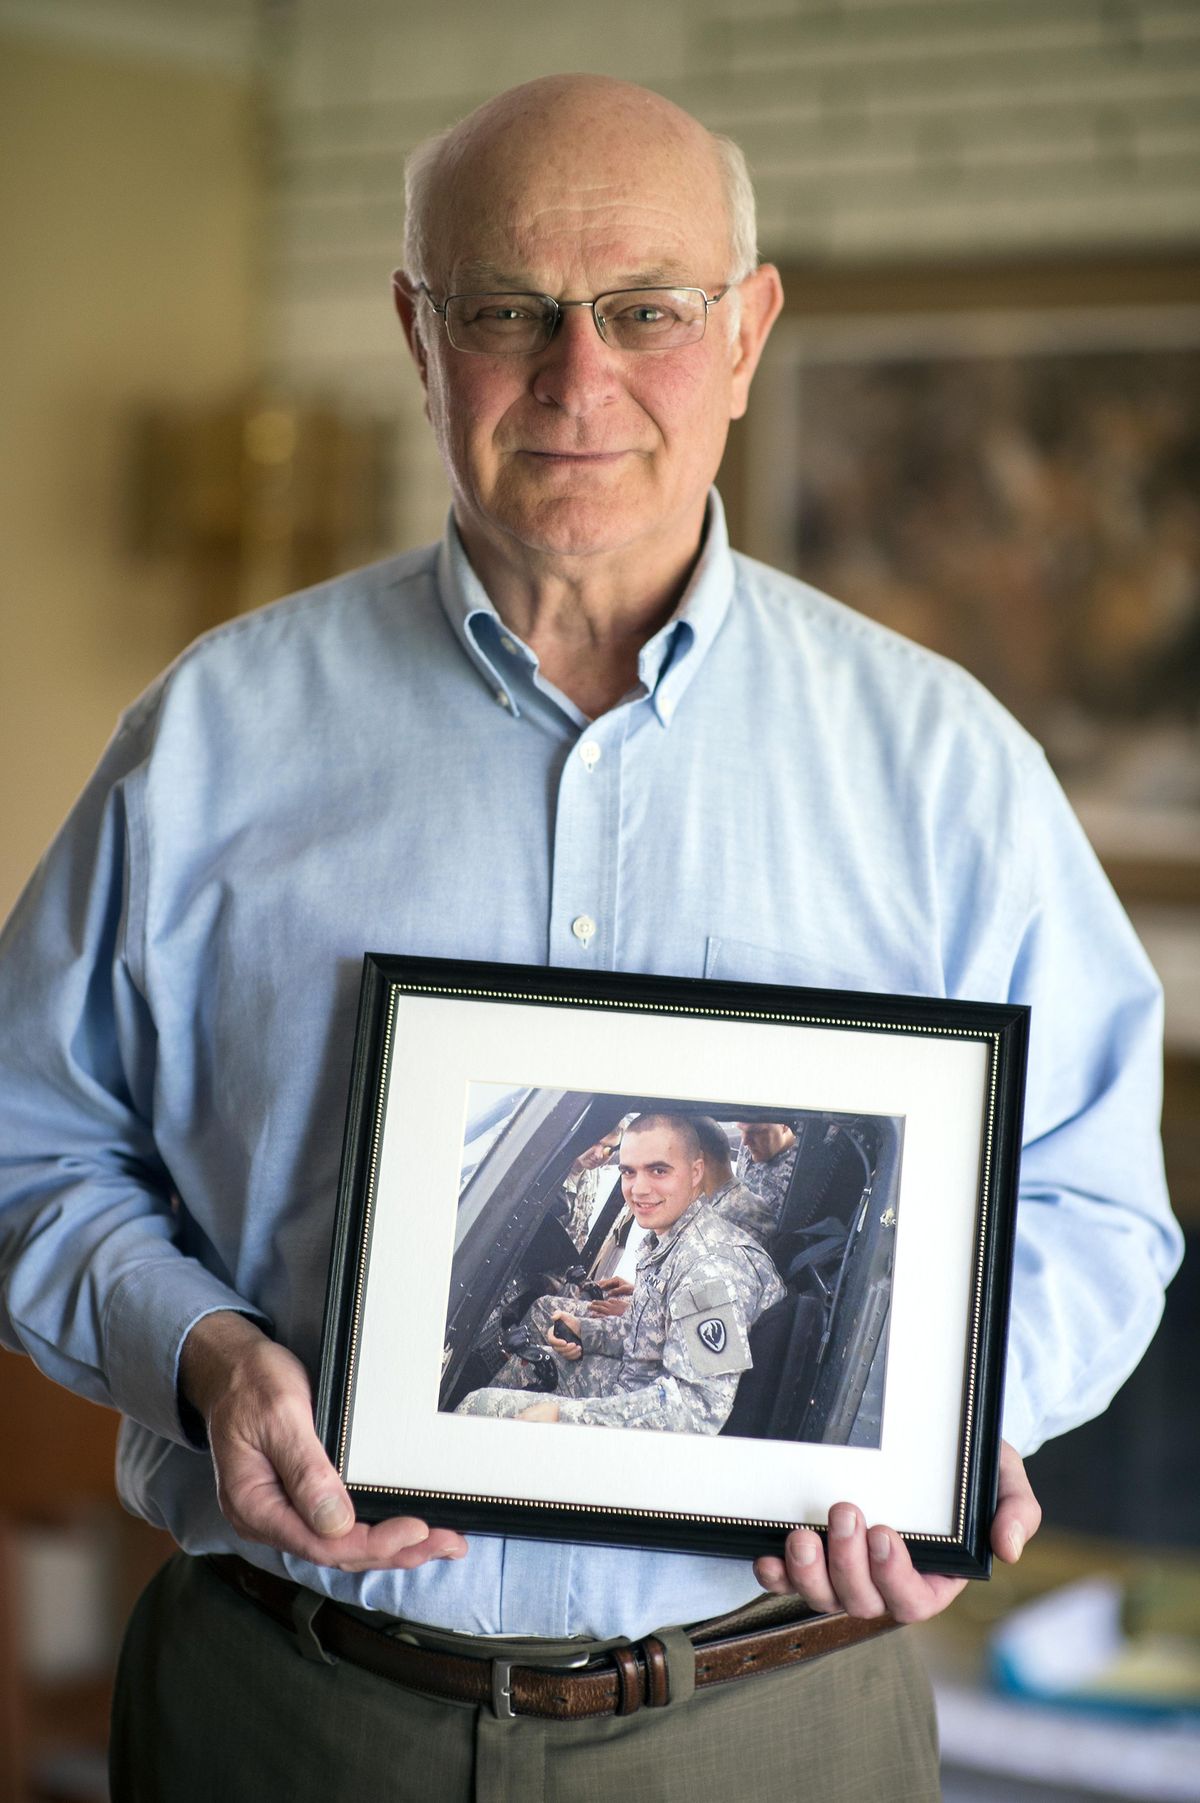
(663, 1262)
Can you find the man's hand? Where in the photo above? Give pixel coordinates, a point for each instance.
(615, 1299)
(566, 1348)
(546, 1410)
(869, 1572)
(274, 1481)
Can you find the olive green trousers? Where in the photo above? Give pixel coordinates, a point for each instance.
(216, 1704)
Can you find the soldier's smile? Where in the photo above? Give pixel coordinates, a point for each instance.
(658, 1180)
(646, 1211)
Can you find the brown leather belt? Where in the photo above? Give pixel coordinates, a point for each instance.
(616, 1682)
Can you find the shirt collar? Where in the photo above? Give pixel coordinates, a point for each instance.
(667, 662)
(658, 1243)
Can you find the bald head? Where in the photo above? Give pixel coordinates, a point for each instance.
(573, 125)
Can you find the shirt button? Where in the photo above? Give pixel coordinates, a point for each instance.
(502, 698)
(589, 751)
(507, 644)
(584, 928)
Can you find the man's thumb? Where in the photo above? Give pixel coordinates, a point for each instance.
(332, 1515)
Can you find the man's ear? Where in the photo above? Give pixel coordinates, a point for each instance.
(761, 300)
(406, 299)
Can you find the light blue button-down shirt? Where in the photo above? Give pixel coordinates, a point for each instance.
(791, 794)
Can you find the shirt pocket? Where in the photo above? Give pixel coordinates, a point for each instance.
(741, 961)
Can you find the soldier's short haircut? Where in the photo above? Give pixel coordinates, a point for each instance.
(714, 1147)
(682, 1125)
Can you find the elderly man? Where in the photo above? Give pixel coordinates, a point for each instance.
(522, 745)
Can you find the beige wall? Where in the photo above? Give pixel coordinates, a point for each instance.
(128, 213)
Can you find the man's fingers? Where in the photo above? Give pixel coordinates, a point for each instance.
(277, 1485)
(261, 1509)
(402, 1543)
(399, 1544)
(910, 1595)
(256, 1496)
(808, 1571)
(831, 1572)
(566, 1349)
(801, 1572)
(289, 1443)
(275, 1481)
(318, 1494)
(865, 1573)
(849, 1563)
(1018, 1513)
(870, 1572)
(333, 1516)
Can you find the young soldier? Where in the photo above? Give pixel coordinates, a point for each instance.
(674, 1360)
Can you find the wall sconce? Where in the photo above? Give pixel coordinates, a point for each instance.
(259, 496)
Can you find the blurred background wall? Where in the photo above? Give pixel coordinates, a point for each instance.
(879, 131)
(130, 214)
(206, 403)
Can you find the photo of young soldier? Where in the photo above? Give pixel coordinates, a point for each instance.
(691, 1268)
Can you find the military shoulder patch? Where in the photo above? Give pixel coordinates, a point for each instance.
(710, 1325)
(712, 1332)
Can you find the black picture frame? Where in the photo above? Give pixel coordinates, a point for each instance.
(916, 1101)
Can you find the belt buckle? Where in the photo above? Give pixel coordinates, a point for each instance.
(502, 1707)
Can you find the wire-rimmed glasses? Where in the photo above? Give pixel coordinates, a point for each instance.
(521, 324)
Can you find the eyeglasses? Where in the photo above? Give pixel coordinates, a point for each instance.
(629, 319)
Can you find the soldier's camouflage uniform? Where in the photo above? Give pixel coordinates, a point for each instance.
(769, 1181)
(745, 1209)
(571, 1297)
(580, 1194)
(739, 1206)
(674, 1359)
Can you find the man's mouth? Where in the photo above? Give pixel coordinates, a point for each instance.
(573, 456)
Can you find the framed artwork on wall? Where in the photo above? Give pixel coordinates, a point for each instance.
(1004, 464)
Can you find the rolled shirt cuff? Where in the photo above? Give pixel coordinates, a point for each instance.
(149, 1316)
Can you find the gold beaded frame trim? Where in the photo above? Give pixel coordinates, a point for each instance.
(461, 992)
(582, 1508)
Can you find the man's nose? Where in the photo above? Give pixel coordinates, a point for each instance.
(577, 371)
